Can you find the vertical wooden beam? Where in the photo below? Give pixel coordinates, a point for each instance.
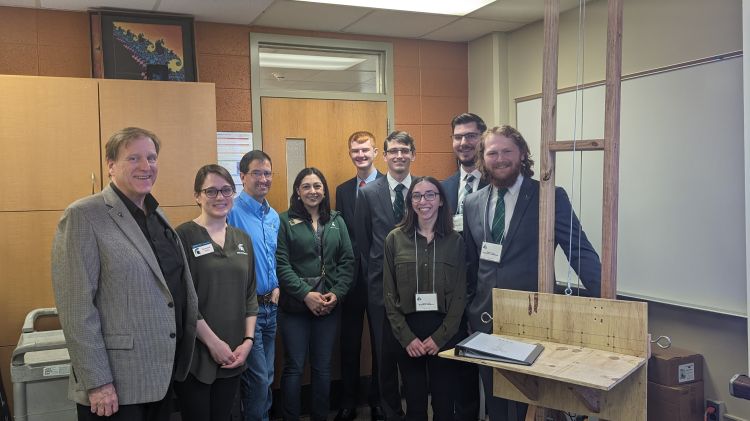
(547, 161)
(611, 149)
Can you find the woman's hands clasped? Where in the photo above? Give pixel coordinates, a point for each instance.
(321, 304)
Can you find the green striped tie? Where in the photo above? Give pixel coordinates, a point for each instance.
(498, 222)
(398, 203)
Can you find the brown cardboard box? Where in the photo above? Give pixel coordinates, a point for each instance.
(674, 366)
(675, 403)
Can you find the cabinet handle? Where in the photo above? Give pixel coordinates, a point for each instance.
(93, 183)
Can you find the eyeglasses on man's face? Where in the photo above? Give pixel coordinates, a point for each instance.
(471, 136)
(428, 196)
(258, 174)
(397, 151)
(212, 192)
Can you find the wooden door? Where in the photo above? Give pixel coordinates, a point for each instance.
(49, 134)
(183, 115)
(324, 126)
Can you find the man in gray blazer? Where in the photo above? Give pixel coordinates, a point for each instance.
(123, 291)
(379, 207)
(501, 231)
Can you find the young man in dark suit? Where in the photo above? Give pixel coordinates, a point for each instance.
(380, 206)
(501, 231)
(362, 152)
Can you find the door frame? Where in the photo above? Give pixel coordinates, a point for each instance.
(256, 92)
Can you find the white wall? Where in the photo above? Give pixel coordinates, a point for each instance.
(655, 34)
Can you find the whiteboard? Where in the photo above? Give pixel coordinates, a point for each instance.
(681, 211)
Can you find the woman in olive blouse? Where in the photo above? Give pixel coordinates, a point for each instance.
(220, 258)
(314, 264)
(424, 284)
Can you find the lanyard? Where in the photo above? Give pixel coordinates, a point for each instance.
(416, 259)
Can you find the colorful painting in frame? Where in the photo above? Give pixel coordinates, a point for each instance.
(142, 46)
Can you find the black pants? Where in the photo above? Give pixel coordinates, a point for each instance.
(467, 401)
(149, 411)
(206, 402)
(428, 375)
(352, 324)
(390, 396)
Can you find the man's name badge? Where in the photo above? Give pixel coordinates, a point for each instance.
(458, 223)
(491, 252)
(426, 302)
(203, 249)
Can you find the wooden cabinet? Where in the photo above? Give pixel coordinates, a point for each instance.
(52, 134)
(49, 133)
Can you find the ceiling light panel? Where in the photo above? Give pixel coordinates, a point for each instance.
(441, 7)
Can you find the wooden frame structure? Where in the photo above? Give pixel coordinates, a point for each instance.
(596, 350)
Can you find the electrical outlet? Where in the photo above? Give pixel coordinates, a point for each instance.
(719, 410)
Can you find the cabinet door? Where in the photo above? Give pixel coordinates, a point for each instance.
(49, 135)
(183, 115)
(25, 259)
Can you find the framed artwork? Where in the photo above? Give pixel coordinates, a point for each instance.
(130, 45)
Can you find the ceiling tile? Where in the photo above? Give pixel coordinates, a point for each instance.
(147, 5)
(310, 16)
(241, 12)
(19, 3)
(525, 11)
(399, 24)
(467, 29)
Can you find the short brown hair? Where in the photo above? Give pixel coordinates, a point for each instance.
(124, 137)
(361, 137)
(514, 135)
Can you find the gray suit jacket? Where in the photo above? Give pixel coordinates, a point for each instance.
(114, 304)
(520, 256)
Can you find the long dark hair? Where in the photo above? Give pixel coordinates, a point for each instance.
(444, 223)
(295, 202)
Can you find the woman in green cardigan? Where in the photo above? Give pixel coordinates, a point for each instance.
(315, 265)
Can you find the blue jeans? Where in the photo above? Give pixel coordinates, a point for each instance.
(257, 378)
(302, 332)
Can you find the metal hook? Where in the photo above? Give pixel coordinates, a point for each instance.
(663, 342)
(568, 290)
(485, 317)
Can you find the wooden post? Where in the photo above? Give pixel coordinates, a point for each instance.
(611, 149)
(547, 158)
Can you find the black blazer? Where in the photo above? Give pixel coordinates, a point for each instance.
(373, 220)
(451, 186)
(518, 262)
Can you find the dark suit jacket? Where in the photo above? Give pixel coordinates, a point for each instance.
(346, 196)
(373, 220)
(451, 186)
(518, 262)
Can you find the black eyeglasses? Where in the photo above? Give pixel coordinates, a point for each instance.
(212, 192)
(428, 196)
(471, 136)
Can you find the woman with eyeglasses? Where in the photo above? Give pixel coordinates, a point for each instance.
(424, 286)
(315, 265)
(220, 258)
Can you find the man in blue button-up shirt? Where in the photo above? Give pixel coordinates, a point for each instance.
(252, 213)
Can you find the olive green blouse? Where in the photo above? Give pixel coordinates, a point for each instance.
(225, 283)
(400, 281)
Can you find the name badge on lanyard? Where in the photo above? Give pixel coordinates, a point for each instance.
(426, 301)
(458, 223)
(491, 252)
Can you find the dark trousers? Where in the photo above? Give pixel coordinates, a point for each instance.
(302, 333)
(206, 402)
(500, 409)
(428, 375)
(352, 325)
(390, 396)
(149, 411)
(467, 401)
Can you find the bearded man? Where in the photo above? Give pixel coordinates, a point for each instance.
(501, 232)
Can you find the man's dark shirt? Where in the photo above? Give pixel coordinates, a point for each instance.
(165, 246)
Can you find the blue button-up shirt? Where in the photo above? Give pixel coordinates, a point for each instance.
(261, 223)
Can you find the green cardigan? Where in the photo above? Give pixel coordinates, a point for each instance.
(296, 257)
